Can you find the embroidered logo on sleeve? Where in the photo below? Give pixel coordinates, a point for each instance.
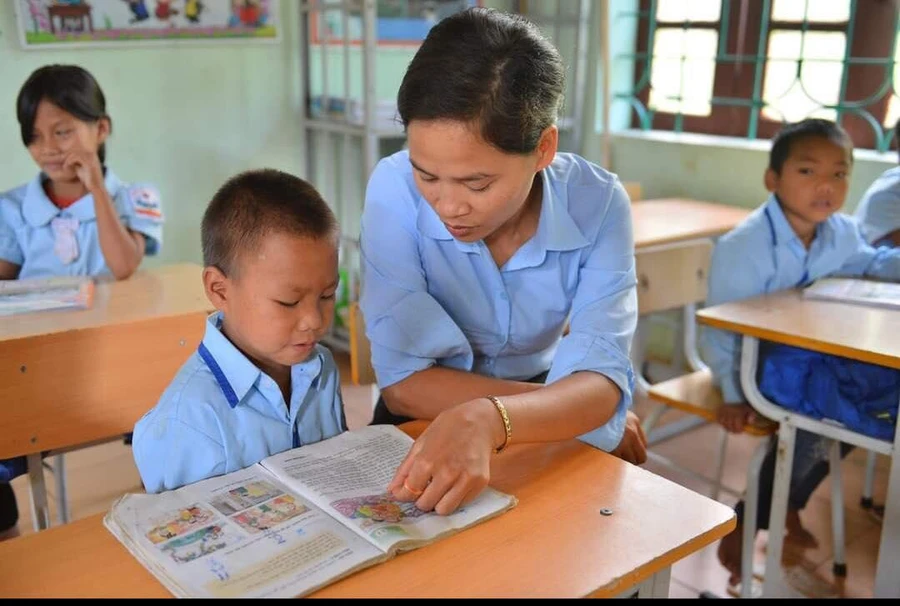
(146, 202)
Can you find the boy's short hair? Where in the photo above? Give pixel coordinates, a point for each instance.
(257, 203)
(805, 129)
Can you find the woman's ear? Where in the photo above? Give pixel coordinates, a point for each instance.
(547, 147)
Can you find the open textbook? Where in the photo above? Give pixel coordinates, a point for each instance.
(290, 524)
(852, 290)
(42, 294)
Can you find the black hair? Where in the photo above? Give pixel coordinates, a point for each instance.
(897, 138)
(490, 68)
(257, 203)
(69, 87)
(805, 129)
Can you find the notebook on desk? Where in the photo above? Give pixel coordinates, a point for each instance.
(856, 291)
(43, 294)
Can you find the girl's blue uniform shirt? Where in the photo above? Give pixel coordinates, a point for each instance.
(429, 299)
(30, 227)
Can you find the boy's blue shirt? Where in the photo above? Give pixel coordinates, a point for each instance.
(221, 414)
(763, 255)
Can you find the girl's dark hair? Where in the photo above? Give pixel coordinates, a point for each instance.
(487, 67)
(70, 88)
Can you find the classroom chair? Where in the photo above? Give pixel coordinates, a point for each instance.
(361, 371)
(673, 277)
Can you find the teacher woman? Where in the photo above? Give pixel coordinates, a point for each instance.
(479, 245)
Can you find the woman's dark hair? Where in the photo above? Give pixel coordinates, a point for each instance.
(70, 88)
(490, 68)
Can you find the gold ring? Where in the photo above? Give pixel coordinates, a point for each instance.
(414, 492)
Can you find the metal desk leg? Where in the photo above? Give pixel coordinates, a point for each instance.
(774, 585)
(62, 497)
(887, 581)
(656, 586)
(40, 510)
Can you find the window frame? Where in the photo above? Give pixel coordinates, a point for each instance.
(871, 36)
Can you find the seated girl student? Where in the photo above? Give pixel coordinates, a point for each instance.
(478, 244)
(75, 218)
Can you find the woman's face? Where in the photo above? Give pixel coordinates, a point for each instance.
(472, 186)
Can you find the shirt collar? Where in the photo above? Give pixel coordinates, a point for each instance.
(234, 372)
(782, 231)
(39, 210)
(556, 229)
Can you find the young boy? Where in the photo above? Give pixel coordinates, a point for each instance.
(794, 238)
(259, 383)
(878, 212)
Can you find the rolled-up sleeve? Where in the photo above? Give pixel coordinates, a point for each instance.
(604, 315)
(408, 329)
(733, 276)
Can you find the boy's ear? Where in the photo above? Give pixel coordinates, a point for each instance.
(771, 180)
(216, 284)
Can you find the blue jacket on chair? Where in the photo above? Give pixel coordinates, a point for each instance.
(863, 397)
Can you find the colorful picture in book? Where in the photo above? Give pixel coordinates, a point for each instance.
(199, 543)
(179, 522)
(271, 514)
(245, 496)
(45, 23)
(399, 22)
(376, 509)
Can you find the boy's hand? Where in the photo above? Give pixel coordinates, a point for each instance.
(633, 447)
(734, 417)
(87, 168)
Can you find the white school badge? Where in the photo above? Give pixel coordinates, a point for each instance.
(65, 244)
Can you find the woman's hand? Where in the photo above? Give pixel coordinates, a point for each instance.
(87, 168)
(449, 464)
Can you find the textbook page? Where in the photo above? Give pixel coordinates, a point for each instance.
(347, 476)
(243, 534)
(851, 290)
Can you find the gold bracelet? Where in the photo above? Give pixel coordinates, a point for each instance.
(506, 426)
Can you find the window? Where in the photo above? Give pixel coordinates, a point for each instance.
(744, 67)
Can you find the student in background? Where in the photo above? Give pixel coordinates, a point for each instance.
(797, 236)
(259, 383)
(75, 217)
(478, 244)
(878, 212)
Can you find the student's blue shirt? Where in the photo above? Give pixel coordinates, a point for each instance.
(763, 255)
(221, 414)
(29, 238)
(878, 212)
(429, 299)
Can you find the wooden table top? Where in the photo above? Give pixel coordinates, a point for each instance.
(668, 220)
(859, 332)
(554, 542)
(161, 292)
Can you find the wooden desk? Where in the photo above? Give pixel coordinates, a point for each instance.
(70, 378)
(554, 543)
(868, 334)
(670, 220)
